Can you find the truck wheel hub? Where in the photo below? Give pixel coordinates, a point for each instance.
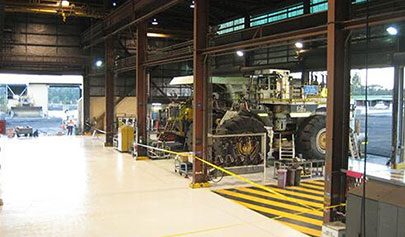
(321, 141)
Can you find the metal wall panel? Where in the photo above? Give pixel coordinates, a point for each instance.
(353, 220)
(401, 222)
(387, 220)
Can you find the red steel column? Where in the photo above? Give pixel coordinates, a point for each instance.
(141, 85)
(200, 102)
(109, 91)
(337, 122)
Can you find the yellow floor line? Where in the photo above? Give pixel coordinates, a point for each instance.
(202, 230)
(305, 230)
(298, 194)
(315, 182)
(306, 190)
(271, 203)
(282, 214)
(312, 186)
(267, 194)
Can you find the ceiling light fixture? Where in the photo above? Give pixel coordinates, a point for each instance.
(392, 30)
(299, 45)
(99, 63)
(155, 22)
(65, 3)
(240, 53)
(192, 5)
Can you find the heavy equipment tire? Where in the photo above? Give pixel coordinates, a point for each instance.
(311, 138)
(240, 125)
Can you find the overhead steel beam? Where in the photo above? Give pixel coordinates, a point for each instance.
(141, 86)
(117, 21)
(200, 102)
(380, 19)
(1, 23)
(54, 7)
(375, 20)
(338, 108)
(182, 51)
(109, 91)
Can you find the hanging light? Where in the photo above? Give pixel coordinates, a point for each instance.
(65, 3)
(99, 63)
(155, 22)
(299, 45)
(240, 53)
(392, 30)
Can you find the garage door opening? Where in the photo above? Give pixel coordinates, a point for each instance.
(40, 104)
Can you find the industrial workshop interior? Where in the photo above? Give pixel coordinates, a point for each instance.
(215, 118)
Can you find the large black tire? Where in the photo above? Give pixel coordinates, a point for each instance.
(226, 154)
(241, 124)
(311, 138)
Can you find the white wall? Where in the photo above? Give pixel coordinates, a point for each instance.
(39, 94)
(97, 106)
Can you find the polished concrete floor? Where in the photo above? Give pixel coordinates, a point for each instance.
(72, 186)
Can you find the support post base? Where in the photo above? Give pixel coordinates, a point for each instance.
(200, 185)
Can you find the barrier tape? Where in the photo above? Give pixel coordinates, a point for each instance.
(246, 180)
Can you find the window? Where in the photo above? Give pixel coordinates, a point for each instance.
(277, 15)
(359, 1)
(322, 5)
(231, 26)
(319, 5)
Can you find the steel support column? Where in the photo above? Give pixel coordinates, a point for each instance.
(109, 91)
(200, 122)
(337, 122)
(86, 99)
(402, 119)
(141, 85)
(395, 117)
(307, 6)
(2, 17)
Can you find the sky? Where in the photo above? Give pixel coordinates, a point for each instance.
(377, 76)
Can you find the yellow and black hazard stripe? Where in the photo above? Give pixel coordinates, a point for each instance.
(307, 220)
(397, 176)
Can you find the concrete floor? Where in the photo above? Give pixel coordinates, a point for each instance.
(72, 186)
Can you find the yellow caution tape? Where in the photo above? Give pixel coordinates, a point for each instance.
(246, 180)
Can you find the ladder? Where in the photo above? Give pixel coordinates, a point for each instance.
(354, 146)
(286, 152)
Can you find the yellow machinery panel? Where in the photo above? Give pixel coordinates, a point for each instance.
(125, 138)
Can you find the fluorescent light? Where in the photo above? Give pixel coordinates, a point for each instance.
(300, 115)
(392, 30)
(154, 22)
(99, 63)
(158, 35)
(240, 53)
(299, 45)
(65, 3)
